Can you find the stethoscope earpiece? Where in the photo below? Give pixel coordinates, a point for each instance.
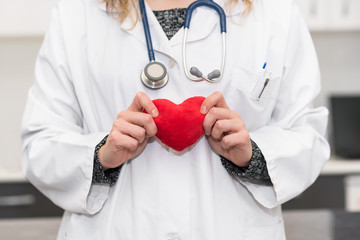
(211, 77)
(214, 74)
(154, 75)
(196, 72)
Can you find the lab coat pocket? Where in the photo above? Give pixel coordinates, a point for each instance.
(243, 80)
(258, 86)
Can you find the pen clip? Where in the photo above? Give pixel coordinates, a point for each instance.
(265, 84)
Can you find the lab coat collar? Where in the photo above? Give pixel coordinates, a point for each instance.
(203, 22)
(158, 37)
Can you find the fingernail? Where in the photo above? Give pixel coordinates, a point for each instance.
(154, 113)
(203, 110)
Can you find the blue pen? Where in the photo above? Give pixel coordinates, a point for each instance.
(265, 63)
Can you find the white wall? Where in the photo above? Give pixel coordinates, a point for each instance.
(339, 58)
(22, 26)
(331, 15)
(17, 56)
(24, 17)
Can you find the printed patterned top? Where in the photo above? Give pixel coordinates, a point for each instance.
(171, 20)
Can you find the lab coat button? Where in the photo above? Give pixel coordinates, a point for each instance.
(173, 236)
(172, 63)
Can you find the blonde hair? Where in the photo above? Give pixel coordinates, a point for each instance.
(124, 7)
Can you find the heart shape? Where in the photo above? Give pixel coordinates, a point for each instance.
(179, 125)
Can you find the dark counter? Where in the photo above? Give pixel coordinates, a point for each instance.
(322, 225)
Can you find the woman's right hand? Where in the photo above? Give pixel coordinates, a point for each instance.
(130, 132)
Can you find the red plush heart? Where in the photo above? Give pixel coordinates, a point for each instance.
(179, 125)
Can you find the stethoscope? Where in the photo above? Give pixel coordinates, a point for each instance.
(155, 75)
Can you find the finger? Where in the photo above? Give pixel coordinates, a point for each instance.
(215, 145)
(216, 114)
(133, 131)
(214, 100)
(123, 141)
(141, 119)
(239, 139)
(222, 127)
(141, 102)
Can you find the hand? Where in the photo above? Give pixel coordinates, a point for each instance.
(130, 132)
(225, 130)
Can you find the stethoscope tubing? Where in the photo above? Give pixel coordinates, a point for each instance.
(212, 77)
(222, 16)
(207, 3)
(147, 32)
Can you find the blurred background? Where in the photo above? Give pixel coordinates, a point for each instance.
(328, 210)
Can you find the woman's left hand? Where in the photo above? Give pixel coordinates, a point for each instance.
(225, 130)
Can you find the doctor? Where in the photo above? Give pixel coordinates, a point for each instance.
(89, 147)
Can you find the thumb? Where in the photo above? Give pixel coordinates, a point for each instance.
(143, 102)
(214, 100)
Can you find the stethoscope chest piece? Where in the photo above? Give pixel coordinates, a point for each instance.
(154, 75)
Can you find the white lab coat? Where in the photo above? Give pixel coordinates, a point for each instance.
(88, 71)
